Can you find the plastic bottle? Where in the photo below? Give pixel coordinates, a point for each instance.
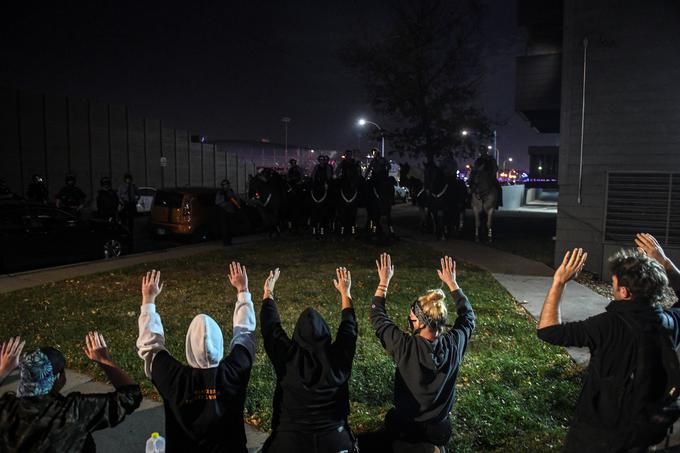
(155, 444)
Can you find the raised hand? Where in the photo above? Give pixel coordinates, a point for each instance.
(647, 244)
(238, 276)
(95, 348)
(385, 269)
(343, 281)
(151, 286)
(571, 265)
(10, 353)
(447, 273)
(270, 283)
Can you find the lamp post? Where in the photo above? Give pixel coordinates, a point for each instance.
(509, 159)
(493, 147)
(285, 121)
(362, 122)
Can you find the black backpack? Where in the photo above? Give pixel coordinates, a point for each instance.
(652, 419)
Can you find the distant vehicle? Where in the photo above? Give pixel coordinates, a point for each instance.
(34, 235)
(145, 200)
(189, 212)
(401, 194)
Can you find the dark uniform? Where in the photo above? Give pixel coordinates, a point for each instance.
(37, 190)
(227, 201)
(295, 173)
(107, 201)
(128, 196)
(70, 197)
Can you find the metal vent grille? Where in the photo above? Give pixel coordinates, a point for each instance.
(643, 202)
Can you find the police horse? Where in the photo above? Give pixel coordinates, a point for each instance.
(485, 194)
(349, 189)
(443, 195)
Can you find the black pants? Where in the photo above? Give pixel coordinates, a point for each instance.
(127, 217)
(584, 438)
(335, 441)
(398, 428)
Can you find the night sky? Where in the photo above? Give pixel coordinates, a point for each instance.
(232, 71)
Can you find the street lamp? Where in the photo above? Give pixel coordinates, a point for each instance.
(465, 133)
(362, 122)
(509, 159)
(285, 121)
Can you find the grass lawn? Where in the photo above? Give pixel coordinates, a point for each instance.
(515, 393)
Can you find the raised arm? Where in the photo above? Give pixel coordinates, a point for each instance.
(97, 351)
(648, 245)
(276, 341)
(244, 312)
(102, 410)
(392, 337)
(571, 265)
(465, 320)
(151, 339)
(345, 344)
(10, 353)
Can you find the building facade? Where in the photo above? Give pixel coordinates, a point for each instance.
(619, 155)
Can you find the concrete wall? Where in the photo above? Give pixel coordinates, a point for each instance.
(632, 113)
(57, 135)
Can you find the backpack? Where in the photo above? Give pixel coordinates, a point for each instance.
(651, 420)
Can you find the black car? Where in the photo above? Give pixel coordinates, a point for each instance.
(34, 235)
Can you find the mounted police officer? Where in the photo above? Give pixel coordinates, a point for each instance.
(227, 201)
(295, 173)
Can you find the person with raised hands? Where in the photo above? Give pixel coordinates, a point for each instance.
(311, 400)
(39, 418)
(428, 358)
(203, 400)
(630, 389)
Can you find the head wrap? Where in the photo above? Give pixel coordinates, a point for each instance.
(37, 375)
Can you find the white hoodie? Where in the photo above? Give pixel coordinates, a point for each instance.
(204, 341)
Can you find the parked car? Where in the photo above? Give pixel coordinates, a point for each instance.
(189, 212)
(401, 194)
(34, 235)
(145, 200)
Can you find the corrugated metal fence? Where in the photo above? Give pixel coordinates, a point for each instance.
(56, 135)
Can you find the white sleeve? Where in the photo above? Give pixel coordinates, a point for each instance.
(244, 324)
(151, 338)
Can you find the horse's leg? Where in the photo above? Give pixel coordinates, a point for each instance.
(489, 216)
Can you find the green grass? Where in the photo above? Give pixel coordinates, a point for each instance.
(515, 393)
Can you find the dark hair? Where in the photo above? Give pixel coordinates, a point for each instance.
(644, 277)
(56, 358)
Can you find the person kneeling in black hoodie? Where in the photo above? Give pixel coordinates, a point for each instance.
(428, 360)
(311, 400)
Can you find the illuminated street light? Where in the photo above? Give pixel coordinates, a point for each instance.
(464, 133)
(362, 122)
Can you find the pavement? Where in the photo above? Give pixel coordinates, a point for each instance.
(526, 280)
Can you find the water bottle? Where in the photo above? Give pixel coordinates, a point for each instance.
(155, 444)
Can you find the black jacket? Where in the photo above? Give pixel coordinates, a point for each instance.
(312, 372)
(204, 407)
(62, 423)
(613, 358)
(425, 380)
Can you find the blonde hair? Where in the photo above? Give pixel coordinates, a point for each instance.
(433, 304)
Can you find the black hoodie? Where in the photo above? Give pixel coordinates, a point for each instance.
(312, 372)
(425, 380)
(613, 351)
